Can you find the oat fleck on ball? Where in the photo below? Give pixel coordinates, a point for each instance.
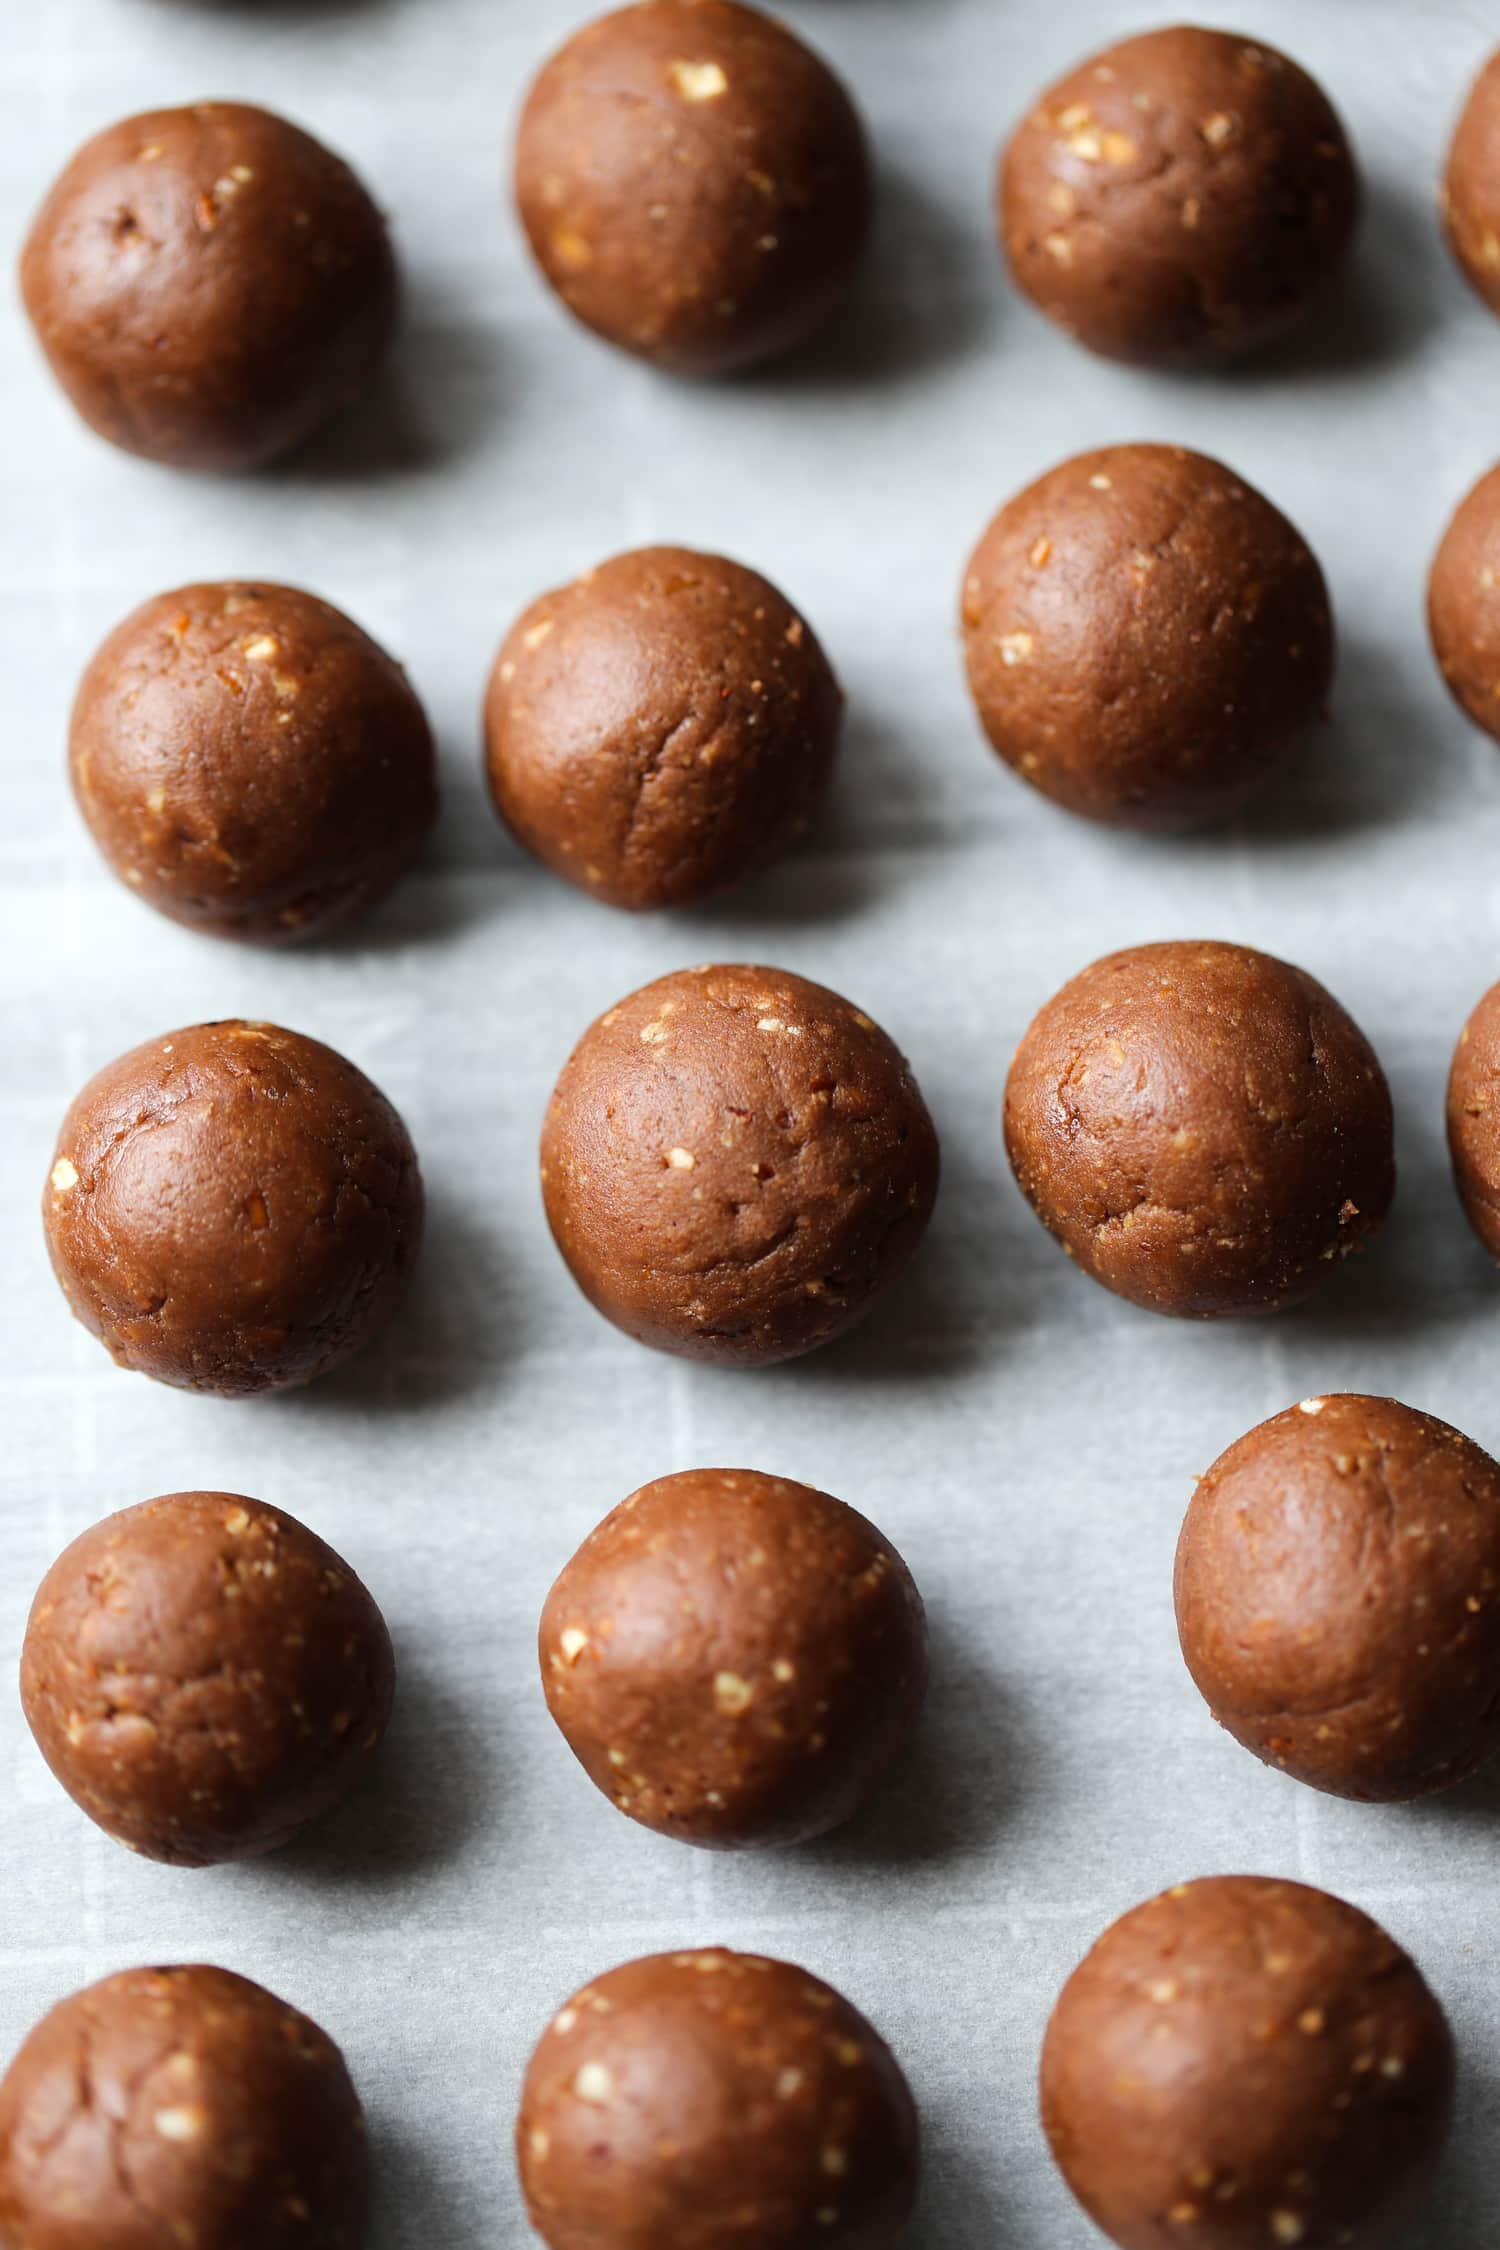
(1149, 642)
(1471, 187)
(204, 1676)
(720, 2099)
(694, 183)
(1179, 199)
(1338, 1597)
(736, 1164)
(735, 1659)
(210, 285)
(180, 2106)
(661, 728)
(1243, 2062)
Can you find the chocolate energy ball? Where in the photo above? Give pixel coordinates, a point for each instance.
(180, 2106)
(1148, 640)
(1471, 187)
(1338, 1597)
(232, 1208)
(720, 2100)
(1244, 2062)
(694, 183)
(734, 1659)
(1474, 1120)
(736, 1164)
(250, 762)
(204, 1676)
(1202, 1127)
(210, 285)
(660, 728)
(1463, 604)
(1179, 199)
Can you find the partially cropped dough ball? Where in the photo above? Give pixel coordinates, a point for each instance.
(1463, 601)
(232, 1208)
(1474, 1120)
(661, 727)
(1148, 640)
(1338, 1597)
(250, 762)
(716, 2099)
(735, 1659)
(1179, 199)
(1202, 1127)
(1471, 187)
(1242, 2062)
(210, 285)
(183, 2106)
(736, 1163)
(204, 1676)
(694, 183)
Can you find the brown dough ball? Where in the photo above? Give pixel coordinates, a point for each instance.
(715, 2101)
(250, 762)
(1474, 1120)
(204, 1676)
(735, 1659)
(1463, 606)
(736, 1164)
(660, 728)
(1179, 199)
(1471, 187)
(1148, 640)
(1242, 2062)
(189, 2106)
(694, 183)
(210, 285)
(1202, 1127)
(232, 1208)
(1338, 1597)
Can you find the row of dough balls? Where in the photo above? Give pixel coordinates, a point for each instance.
(1149, 642)
(737, 1164)
(210, 284)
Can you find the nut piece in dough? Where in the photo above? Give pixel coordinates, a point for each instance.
(232, 1208)
(204, 1676)
(250, 762)
(736, 1164)
(180, 2106)
(735, 1659)
(1471, 187)
(210, 285)
(1202, 1127)
(660, 728)
(1242, 2062)
(1338, 1597)
(1149, 642)
(1463, 600)
(694, 183)
(720, 2099)
(1179, 199)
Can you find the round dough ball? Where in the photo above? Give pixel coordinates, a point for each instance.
(1243, 2062)
(1471, 187)
(719, 2099)
(1463, 604)
(250, 762)
(1338, 1597)
(1148, 640)
(210, 285)
(694, 183)
(1202, 1127)
(1474, 1120)
(736, 1164)
(204, 1676)
(1180, 199)
(660, 728)
(180, 2106)
(735, 1659)
(232, 1208)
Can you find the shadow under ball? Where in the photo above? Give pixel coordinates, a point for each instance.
(210, 285)
(1178, 200)
(694, 183)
